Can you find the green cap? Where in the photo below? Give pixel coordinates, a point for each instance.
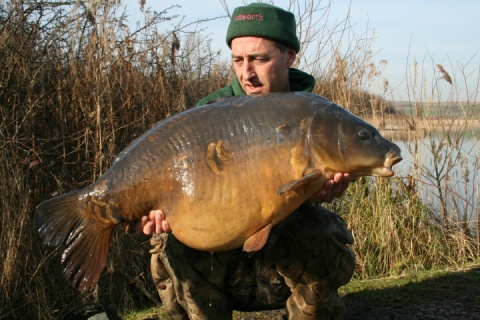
(266, 21)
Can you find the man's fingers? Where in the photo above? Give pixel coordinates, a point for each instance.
(345, 182)
(336, 186)
(158, 218)
(333, 188)
(148, 227)
(166, 226)
(341, 182)
(140, 224)
(338, 177)
(154, 222)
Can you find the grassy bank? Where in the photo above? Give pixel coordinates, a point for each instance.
(433, 294)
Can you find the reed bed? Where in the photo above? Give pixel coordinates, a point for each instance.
(426, 217)
(77, 85)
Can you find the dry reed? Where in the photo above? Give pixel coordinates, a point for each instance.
(76, 87)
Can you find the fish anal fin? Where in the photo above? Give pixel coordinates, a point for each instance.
(85, 257)
(295, 184)
(256, 241)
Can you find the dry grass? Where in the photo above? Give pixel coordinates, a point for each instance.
(77, 85)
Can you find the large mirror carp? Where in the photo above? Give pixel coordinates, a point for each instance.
(223, 174)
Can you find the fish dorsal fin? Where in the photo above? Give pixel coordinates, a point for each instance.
(256, 241)
(295, 184)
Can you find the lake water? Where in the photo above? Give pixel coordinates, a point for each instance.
(455, 167)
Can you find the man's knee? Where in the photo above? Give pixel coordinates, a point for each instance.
(163, 280)
(315, 301)
(193, 281)
(157, 268)
(321, 263)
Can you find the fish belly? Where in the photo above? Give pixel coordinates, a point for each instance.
(223, 209)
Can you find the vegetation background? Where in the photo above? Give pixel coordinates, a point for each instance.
(77, 85)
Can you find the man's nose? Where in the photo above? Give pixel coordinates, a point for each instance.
(248, 70)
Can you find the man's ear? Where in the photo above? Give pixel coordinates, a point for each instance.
(291, 56)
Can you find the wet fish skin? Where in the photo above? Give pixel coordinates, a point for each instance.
(223, 173)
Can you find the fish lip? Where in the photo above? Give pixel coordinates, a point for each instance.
(391, 161)
(388, 172)
(388, 166)
(384, 171)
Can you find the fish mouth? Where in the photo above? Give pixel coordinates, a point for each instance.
(384, 171)
(387, 169)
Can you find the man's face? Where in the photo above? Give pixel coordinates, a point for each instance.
(260, 65)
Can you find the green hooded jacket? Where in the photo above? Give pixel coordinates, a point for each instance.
(299, 81)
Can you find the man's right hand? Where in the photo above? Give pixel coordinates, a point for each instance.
(333, 188)
(153, 223)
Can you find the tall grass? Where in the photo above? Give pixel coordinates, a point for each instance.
(77, 85)
(427, 217)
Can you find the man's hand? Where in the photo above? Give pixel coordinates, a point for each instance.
(154, 222)
(333, 188)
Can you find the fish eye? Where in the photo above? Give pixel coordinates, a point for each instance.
(363, 134)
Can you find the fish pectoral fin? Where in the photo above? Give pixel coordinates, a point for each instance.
(216, 154)
(295, 184)
(256, 241)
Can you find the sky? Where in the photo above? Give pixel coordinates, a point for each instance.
(430, 32)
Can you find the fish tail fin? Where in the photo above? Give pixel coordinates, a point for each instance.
(61, 221)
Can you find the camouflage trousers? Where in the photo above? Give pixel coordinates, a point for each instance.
(304, 262)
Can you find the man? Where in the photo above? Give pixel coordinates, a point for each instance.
(306, 258)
